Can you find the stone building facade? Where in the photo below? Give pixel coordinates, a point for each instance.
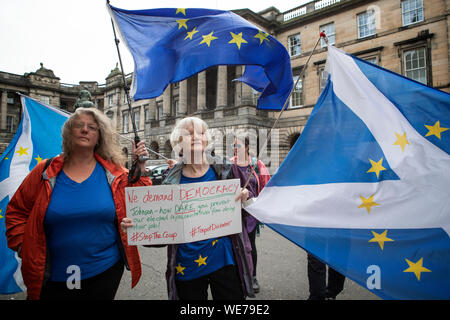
(410, 37)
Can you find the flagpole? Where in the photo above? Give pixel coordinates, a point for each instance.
(135, 170)
(302, 72)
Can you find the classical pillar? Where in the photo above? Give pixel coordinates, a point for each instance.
(167, 97)
(183, 97)
(4, 109)
(152, 109)
(222, 92)
(201, 91)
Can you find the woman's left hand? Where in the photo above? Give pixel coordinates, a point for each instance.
(243, 195)
(141, 150)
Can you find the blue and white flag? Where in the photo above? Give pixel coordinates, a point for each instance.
(366, 188)
(171, 44)
(37, 137)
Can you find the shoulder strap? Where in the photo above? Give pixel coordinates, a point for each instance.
(47, 163)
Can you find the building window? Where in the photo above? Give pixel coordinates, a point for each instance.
(412, 11)
(110, 100)
(323, 79)
(125, 122)
(328, 29)
(10, 98)
(366, 24)
(45, 99)
(159, 109)
(175, 106)
(297, 94)
(373, 60)
(415, 64)
(10, 124)
(146, 113)
(137, 117)
(295, 48)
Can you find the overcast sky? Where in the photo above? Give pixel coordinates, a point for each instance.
(74, 37)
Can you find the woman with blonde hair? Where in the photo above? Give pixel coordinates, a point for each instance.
(223, 264)
(63, 219)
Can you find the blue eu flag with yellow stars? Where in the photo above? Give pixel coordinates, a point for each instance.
(170, 45)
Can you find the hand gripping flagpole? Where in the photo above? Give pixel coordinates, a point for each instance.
(135, 171)
(302, 72)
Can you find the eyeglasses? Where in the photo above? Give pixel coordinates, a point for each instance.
(81, 125)
(236, 145)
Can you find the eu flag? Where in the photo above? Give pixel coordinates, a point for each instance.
(366, 186)
(170, 45)
(37, 137)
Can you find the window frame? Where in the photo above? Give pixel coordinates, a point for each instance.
(416, 9)
(290, 46)
(368, 13)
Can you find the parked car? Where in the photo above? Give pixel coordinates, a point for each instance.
(157, 173)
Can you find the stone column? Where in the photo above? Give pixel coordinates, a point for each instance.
(3, 110)
(167, 97)
(183, 97)
(201, 91)
(222, 92)
(152, 109)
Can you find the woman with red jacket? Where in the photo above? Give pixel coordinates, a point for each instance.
(63, 219)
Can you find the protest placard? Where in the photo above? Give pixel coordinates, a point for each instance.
(183, 213)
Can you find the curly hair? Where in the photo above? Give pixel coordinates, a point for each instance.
(107, 146)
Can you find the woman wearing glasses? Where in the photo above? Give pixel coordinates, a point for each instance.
(63, 219)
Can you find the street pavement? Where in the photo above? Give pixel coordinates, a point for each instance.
(281, 272)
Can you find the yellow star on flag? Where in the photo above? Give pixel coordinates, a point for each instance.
(261, 35)
(417, 268)
(181, 10)
(435, 130)
(401, 140)
(368, 203)
(182, 23)
(0, 214)
(381, 238)
(38, 159)
(22, 151)
(376, 167)
(237, 38)
(208, 38)
(214, 242)
(191, 33)
(180, 269)
(201, 260)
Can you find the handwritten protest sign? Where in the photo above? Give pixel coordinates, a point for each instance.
(183, 213)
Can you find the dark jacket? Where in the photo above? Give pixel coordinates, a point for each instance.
(240, 242)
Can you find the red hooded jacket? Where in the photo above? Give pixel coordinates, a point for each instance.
(25, 215)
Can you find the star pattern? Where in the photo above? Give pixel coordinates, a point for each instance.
(401, 141)
(208, 38)
(435, 130)
(417, 268)
(368, 203)
(376, 167)
(237, 39)
(380, 238)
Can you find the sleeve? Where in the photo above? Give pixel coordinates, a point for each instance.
(20, 206)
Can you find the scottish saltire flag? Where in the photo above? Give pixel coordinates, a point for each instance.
(366, 188)
(37, 137)
(169, 45)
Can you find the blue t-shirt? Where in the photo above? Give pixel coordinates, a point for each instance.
(80, 226)
(197, 259)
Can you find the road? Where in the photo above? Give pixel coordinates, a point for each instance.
(282, 274)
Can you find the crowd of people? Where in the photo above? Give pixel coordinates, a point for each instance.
(70, 211)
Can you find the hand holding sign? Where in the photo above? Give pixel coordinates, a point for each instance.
(183, 213)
